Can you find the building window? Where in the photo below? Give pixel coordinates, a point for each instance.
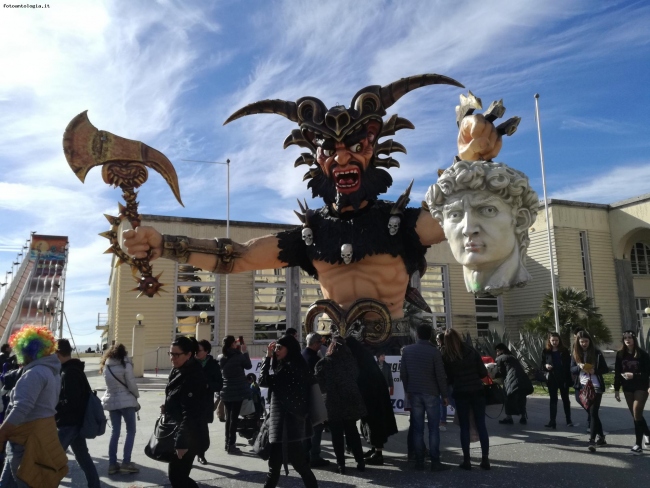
(641, 305)
(270, 304)
(434, 287)
(586, 263)
(640, 259)
(488, 309)
(196, 292)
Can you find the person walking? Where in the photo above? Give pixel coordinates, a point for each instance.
(379, 422)
(71, 409)
(588, 364)
(212, 372)
(632, 372)
(234, 363)
(185, 405)
(312, 446)
(121, 402)
(34, 455)
(465, 371)
(556, 363)
(387, 370)
(516, 384)
(290, 424)
(423, 376)
(337, 375)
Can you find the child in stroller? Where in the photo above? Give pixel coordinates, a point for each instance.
(252, 416)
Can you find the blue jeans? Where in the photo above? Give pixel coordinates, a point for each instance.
(116, 423)
(422, 403)
(9, 478)
(69, 437)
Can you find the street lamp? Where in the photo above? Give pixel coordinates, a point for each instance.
(227, 163)
(203, 316)
(139, 318)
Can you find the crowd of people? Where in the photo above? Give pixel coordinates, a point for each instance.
(49, 397)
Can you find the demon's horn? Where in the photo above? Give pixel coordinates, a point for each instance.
(391, 93)
(280, 107)
(85, 147)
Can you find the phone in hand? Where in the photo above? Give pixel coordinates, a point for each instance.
(241, 340)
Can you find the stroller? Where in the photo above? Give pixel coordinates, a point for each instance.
(252, 413)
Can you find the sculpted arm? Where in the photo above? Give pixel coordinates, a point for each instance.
(218, 255)
(429, 229)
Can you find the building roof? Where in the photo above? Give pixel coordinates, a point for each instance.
(215, 222)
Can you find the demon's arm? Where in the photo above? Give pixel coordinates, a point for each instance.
(220, 255)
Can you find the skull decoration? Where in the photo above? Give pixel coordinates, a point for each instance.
(393, 224)
(346, 253)
(308, 236)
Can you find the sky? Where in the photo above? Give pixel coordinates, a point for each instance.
(168, 73)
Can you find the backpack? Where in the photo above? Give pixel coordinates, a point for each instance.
(94, 423)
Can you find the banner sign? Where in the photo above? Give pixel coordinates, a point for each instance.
(48, 248)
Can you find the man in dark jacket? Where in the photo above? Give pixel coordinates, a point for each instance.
(312, 446)
(71, 409)
(423, 376)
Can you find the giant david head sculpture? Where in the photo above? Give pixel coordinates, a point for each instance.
(485, 210)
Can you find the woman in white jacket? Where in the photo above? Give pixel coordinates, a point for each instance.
(121, 401)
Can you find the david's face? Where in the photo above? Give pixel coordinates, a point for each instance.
(480, 228)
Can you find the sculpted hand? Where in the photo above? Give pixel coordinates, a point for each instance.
(138, 242)
(478, 139)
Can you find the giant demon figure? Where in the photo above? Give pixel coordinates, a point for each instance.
(362, 250)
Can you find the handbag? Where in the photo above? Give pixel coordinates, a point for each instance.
(317, 409)
(137, 409)
(161, 443)
(262, 444)
(587, 394)
(247, 407)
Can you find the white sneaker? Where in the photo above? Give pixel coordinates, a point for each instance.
(646, 441)
(636, 450)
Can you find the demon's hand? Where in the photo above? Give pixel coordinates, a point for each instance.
(143, 239)
(478, 139)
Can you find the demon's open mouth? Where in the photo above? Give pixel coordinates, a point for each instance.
(347, 180)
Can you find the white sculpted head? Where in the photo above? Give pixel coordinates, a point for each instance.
(485, 210)
(393, 225)
(308, 236)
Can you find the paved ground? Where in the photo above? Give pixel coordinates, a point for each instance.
(527, 456)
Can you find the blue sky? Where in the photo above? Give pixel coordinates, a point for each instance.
(169, 73)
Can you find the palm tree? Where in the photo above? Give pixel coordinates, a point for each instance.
(575, 309)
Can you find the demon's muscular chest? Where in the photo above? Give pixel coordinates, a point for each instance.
(380, 265)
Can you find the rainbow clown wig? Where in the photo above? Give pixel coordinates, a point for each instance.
(31, 343)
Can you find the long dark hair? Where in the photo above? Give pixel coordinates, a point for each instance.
(549, 347)
(579, 352)
(632, 334)
(227, 344)
(116, 351)
(453, 350)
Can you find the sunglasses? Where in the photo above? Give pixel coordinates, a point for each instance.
(176, 354)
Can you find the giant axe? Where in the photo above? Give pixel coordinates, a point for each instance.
(124, 163)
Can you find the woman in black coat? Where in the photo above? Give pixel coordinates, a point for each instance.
(379, 422)
(556, 363)
(185, 405)
(289, 421)
(516, 384)
(588, 364)
(632, 372)
(337, 374)
(465, 370)
(234, 363)
(212, 372)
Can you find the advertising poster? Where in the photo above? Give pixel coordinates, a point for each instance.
(49, 248)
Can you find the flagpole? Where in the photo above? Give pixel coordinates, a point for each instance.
(548, 222)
